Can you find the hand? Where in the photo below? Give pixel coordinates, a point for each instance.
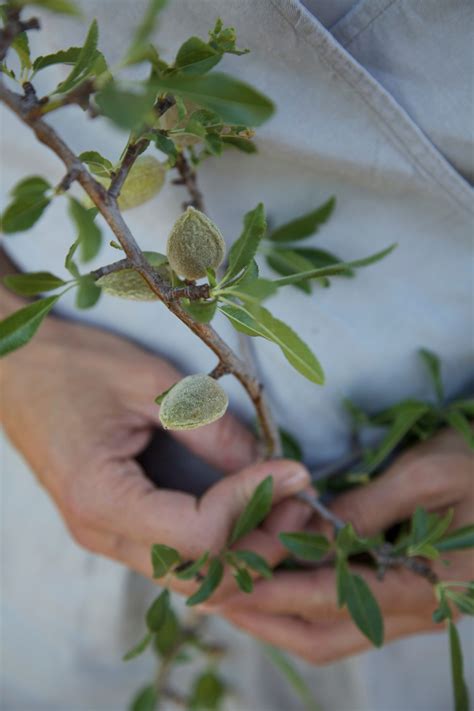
(79, 404)
(298, 610)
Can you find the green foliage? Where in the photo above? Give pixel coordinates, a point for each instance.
(85, 62)
(207, 693)
(163, 559)
(255, 512)
(32, 283)
(158, 611)
(127, 109)
(190, 571)
(139, 47)
(304, 226)
(292, 675)
(139, 648)
(30, 200)
(97, 164)
(245, 248)
(291, 447)
(210, 583)
(145, 700)
(433, 365)
(254, 561)
(64, 7)
(364, 609)
(461, 697)
(19, 328)
(306, 545)
(88, 293)
(243, 580)
(460, 539)
(64, 56)
(89, 235)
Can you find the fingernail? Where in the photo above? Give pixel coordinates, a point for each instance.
(297, 479)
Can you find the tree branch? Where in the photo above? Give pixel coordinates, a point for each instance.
(188, 178)
(14, 27)
(107, 206)
(131, 155)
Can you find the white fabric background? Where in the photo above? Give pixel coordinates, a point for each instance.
(67, 616)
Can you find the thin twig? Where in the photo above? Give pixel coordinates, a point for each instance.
(131, 154)
(188, 178)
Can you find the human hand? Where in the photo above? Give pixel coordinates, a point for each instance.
(79, 405)
(298, 611)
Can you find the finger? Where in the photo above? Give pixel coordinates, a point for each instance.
(120, 499)
(313, 594)
(420, 477)
(323, 642)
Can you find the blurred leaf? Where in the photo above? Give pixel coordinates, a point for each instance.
(90, 236)
(461, 696)
(433, 366)
(32, 283)
(304, 226)
(427, 529)
(169, 634)
(291, 446)
(363, 608)
(127, 109)
(196, 57)
(465, 406)
(210, 583)
(69, 262)
(96, 163)
(145, 700)
(166, 146)
(207, 693)
(144, 31)
(292, 675)
(234, 101)
(342, 582)
(85, 61)
(463, 601)
(305, 545)
(21, 46)
(64, 7)
(88, 294)
(157, 612)
(242, 144)
(457, 540)
(322, 258)
(64, 56)
(243, 580)
(336, 268)
(29, 203)
(163, 558)
(138, 648)
(254, 561)
(245, 248)
(286, 262)
(255, 512)
(16, 330)
(461, 424)
(193, 569)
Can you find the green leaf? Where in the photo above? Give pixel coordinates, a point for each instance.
(426, 530)
(461, 696)
(286, 262)
(21, 46)
(84, 63)
(461, 424)
(433, 365)
(157, 611)
(363, 608)
(305, 545)
(443, 611)
(243, 580)
(292, 675)
(190, 571)
(90, 236)
(88, 294)
(159, 398)
(291, 446)
(64, 7)
(64, 56)
(163, 558)
(29, 203)
(234, 101)
(304, 226)
(144, 31)
(210, 583)
(342, 579)
(169, 634)
(97, 164)
(404, 421)
(465, 406)
(322, 258)
(336, 268)
(457, 540)
(69, 262)
(33, 283)
(252, 291)
(464, 602)
(145, 700)
(138, 648)
(255, 512)
(196, 57)
(254, 561)
(242, 144)
(16, 330)
(201, 311)
(127, 109)
(207, 693)
(166, 146)
(245, 248)
(257, 321)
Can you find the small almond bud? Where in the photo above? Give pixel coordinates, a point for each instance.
(144, 181)
(128, 284)
(194, 245)
(195, 401)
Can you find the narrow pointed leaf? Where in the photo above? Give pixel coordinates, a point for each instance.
(245, 248)
(304, 226)
(33, 283)
(138, 648)
(157, 612)
(85, 60)
(193, 569)
(255, 512)
(209, 585)
(364, 608)
(305, 545)
(461, 695)
(16, 330)
(90, 236)
(163, 559)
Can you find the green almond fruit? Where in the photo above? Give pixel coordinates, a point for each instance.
(128, 284)
(195, 245)
(194, 401)
(144, 181)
